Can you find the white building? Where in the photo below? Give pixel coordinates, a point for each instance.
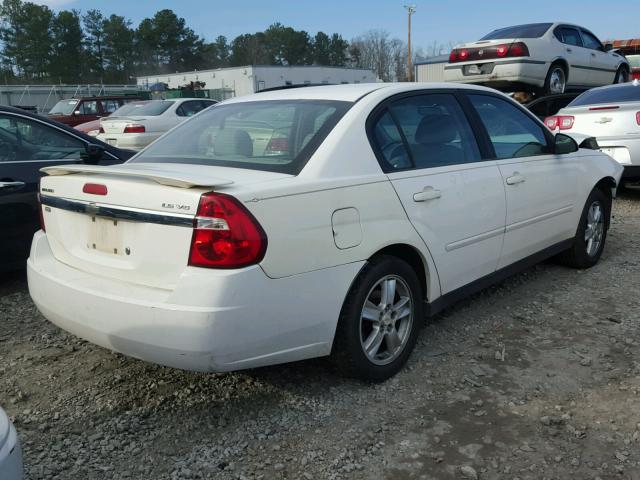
(237, 81)
(431, 70)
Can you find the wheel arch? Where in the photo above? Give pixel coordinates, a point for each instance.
(607, 185)
(562, 61)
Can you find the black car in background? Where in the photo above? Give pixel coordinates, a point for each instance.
(29, 142)
(549, 105)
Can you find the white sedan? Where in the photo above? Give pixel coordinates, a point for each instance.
(611, 114)
(136, 125)
(550, 57)
(10, 452)
(225, 246)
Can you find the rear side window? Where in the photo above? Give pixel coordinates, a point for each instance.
(89, 107)
(613, 94)
(569, 36)
(424, 131)
(531, 30)
(512, 133)
(277, 136)
(110, 106)
(149, 109)
(188, 109)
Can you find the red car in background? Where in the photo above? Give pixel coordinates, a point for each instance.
(74, 111)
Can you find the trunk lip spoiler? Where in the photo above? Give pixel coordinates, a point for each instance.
(95, 209)
(163, 177)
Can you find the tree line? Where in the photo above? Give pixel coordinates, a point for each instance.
(38, 45)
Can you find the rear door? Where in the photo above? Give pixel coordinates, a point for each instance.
(454, 199)
(541, 188)
(578, 57)
(25, 147)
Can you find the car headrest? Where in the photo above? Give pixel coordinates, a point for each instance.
(436, 129)
(233, 141)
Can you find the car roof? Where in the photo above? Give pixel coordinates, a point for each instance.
(349, 92)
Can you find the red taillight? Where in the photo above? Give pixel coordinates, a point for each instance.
(635, 76)
(613, 107)
(278, 145)
(562, 122)
(638, 118)
(518, 49)
(502, 50)
(94, 189)
(453, 56)
(101, 130)
(463, 55)
(134, 128)
(225, 234)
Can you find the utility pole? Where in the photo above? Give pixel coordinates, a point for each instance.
(411, 9)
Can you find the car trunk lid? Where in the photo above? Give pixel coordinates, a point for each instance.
(118, 124)
(131, 222)
(606, 120)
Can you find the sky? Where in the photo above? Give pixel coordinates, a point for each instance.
(439, 22)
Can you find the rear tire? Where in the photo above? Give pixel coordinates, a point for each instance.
(556, 80)
(380, 320)
(591, 235)
(622, 76)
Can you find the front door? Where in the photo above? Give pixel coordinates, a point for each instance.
(25, 147)
(454, 199)
(540, 186)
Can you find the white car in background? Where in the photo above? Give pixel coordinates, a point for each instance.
(10, 452)
(611, 114)
(135, 128)
(377, 204)
(550, 57)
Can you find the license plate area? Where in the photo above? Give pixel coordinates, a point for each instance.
(105, 235)
(619, 154)
(111, 141)
(478, 69)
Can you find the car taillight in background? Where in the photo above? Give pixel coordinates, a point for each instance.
(277, 146)
(635, 74)
(226, 234)
(562, 122)
(516, 49)
(638, 118)
(134, 128)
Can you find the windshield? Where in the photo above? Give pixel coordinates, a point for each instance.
(276, 136)
(151, 108)
(531, 30)
(64, 107)
(616, 94)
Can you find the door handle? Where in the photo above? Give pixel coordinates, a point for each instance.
(12, 185)
(515, 179)
(569, 50)
(427, 193)
(593, 54)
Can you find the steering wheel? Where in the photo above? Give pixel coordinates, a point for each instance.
(396, 155)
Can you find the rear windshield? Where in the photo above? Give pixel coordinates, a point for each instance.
(276, 136)
(64, 107)
(634, 60)
(531, 30)
(148, 109)
(615, 94)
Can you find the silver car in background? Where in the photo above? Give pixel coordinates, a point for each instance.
(10, 452)
(611, 114)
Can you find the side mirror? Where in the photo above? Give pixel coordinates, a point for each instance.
(564, 144)
(93, 153)
(76, 112)
(608, 47)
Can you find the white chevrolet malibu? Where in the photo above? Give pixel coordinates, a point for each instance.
(310, 222)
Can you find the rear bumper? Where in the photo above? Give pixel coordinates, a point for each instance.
(11, 457)
(214, 320)
(502, 74)
(632, 169)
(131, 141)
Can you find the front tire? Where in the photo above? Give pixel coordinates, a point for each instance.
(622, 76)
(556, 80)
(591, 235)
(380, 320)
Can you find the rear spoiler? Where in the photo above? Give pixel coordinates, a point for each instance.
(165, 174)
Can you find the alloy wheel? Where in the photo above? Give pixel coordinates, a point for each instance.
(386, 320)
(595, 228)
(558, 80)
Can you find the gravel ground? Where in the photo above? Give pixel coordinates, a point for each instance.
(535, 378)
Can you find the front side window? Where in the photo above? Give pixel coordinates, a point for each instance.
(110, 106)
(64, 107)
(512, 133)
(590, 41)
(22, 139)
(434, 129)
(188, 109)
(277, 136)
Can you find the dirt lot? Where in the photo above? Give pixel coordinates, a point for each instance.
(536, 378)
